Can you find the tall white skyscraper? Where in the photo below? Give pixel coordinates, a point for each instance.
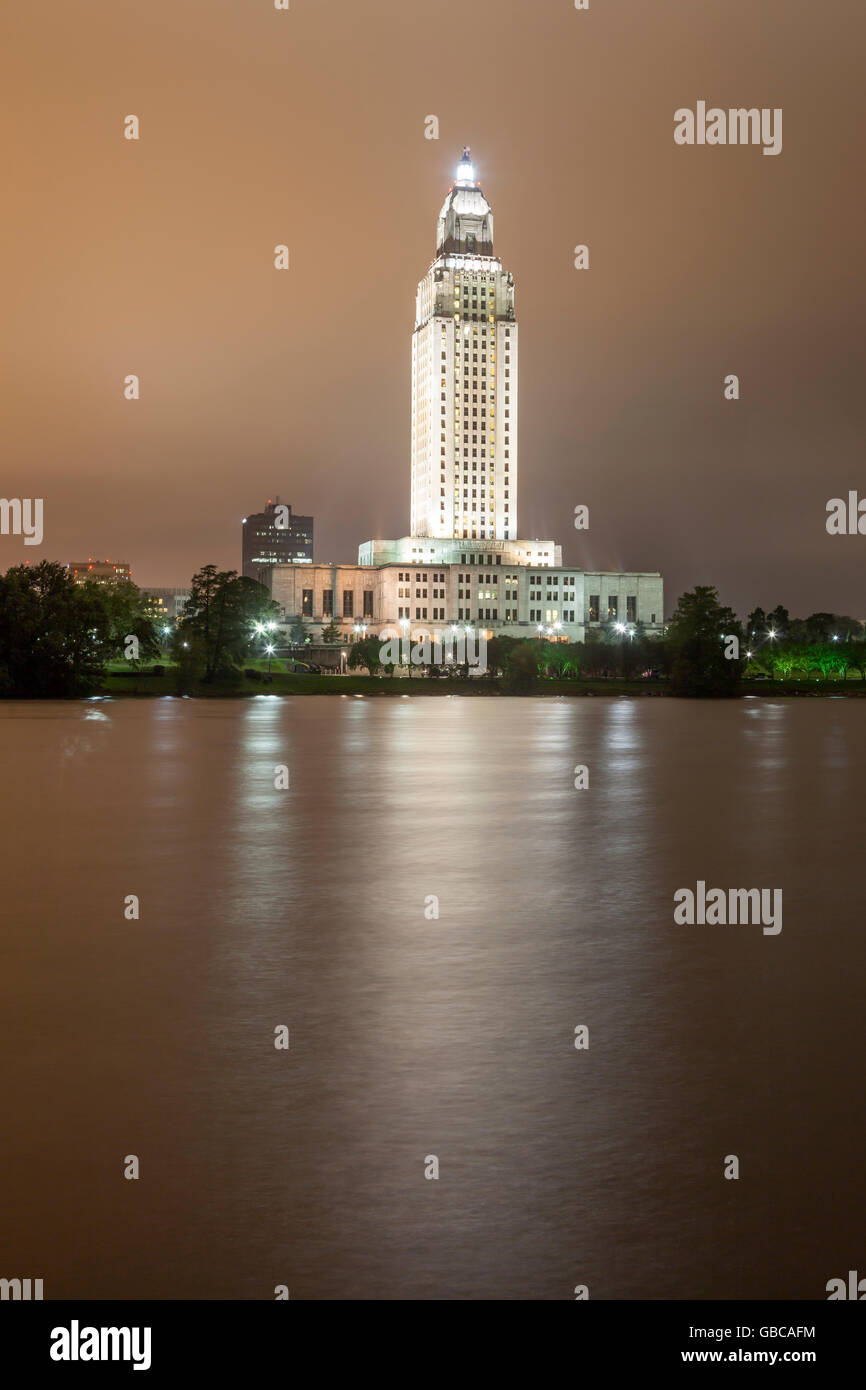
(464, 563)
(464, 378)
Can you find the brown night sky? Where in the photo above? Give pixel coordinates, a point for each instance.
(307, 127)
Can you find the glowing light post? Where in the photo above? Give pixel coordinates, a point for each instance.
(467, 634)
(622, 629)
(270, 651)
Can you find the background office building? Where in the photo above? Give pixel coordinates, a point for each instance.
(98, 571)
(164, 605)
(276, 536)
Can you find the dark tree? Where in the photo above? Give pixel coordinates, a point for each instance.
(298, 631)
(756, 624)
(697, 647)
(220, 621)
(521, 671)
(366, 653)
(55, 635)
(127, 618)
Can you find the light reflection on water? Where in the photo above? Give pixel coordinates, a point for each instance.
(412, 1035)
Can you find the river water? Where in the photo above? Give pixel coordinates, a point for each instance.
(414, 1035)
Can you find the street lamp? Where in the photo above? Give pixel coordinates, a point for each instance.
(270, 651)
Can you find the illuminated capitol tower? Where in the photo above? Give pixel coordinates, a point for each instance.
(464, 561)
(464, 398)
(464, 378)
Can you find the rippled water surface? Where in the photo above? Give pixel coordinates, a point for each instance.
(414, 1036)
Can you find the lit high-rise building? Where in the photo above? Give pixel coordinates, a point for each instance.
(276, 536)
(464, 378)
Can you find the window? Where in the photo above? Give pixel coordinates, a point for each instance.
(631, 608)
(348, 603)
(307, 604)
(611, 606)
(328, 603)
(594, 603)
(368, 603)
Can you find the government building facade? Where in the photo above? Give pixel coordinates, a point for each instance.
(464, 562)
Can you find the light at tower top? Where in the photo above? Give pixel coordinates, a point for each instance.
(465, 171)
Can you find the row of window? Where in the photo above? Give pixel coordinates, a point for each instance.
(468, 614)
(536, 615)
(466, 454)
(613, 608)
(438, 613)
(328, 603)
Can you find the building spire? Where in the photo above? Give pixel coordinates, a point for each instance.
(465, 170)
(465, 225)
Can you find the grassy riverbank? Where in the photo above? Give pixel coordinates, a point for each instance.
(123, 682)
